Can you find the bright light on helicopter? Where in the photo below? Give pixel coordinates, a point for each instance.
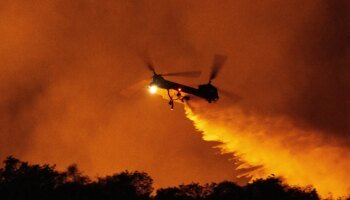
(153, 89)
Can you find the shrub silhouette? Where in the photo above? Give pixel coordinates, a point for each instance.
(20, 180)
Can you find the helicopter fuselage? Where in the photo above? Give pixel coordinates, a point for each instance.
(205, 91)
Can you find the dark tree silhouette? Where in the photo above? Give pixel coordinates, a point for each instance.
(260, 189)
(22, 181)
(192, 191)
(302, 194)
(272, 188)
(226, 190)
(73, 175)
(74, 185)
(126, 185)
(19, 180)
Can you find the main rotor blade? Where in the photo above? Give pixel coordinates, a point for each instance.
(146, 58)
(219, 61)
(184, 74)
(134, 88)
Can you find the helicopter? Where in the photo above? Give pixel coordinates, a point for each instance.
(205, 91)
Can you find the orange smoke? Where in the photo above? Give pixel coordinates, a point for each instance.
(300, 157)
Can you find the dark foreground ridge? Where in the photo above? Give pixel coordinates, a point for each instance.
(21, 180)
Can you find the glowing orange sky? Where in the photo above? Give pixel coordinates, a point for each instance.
(64, 63)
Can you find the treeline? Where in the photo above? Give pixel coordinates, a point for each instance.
(21, 180)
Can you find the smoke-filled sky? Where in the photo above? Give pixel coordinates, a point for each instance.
(65, 63)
